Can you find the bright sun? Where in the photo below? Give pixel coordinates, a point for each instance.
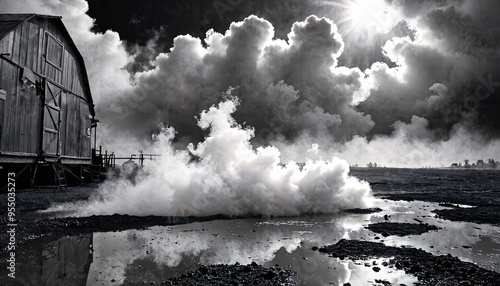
(365, 16)
(366, 10)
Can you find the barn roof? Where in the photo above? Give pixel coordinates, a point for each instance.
(9, 22)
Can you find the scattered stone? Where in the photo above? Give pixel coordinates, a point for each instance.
(429, 269)
(363, 211)
(414, 269)
(383, 282)
(400, 229)
(222, 274)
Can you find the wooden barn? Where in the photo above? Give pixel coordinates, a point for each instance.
(46, 108)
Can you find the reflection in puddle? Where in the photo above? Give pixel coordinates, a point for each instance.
(162, 252)
(51, 261)
(478, 243)
(152, 255)
(170, 251)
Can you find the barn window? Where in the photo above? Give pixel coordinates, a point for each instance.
(54, 52)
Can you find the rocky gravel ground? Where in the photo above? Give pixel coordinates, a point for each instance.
(222, 275)
(431, 270)
(400, 229)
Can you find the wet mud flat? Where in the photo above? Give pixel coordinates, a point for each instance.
(470, 195)
(428, 268)
(478, 190)
(463, 196)
(32, 224)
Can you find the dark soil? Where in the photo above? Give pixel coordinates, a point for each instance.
(480, 214)
(456, 185)
(29, 229)
(477, 188)
(32, 200)
(429, 269)
(32, 224)
(400, 229)
(363, 211)
(471, 198)
(223, 275)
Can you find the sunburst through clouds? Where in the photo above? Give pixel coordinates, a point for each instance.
(360, 16)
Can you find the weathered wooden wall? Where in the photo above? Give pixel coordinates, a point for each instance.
(21, 116)
(42, 46)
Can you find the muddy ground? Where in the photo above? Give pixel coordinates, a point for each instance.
(477, 188)
(430, 269)
(223, 275)
(473, 195)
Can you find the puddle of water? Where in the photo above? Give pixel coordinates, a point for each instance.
(162, 252)
(152, 255)
(50, 260)
(477, 243)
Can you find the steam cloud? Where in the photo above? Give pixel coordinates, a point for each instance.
(230, 177)
(423, 98)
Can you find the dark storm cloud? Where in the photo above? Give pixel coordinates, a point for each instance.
(286, 86)
(454, 51)
(429, 83)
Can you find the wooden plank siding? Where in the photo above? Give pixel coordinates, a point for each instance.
(85, 131)
(22, 106)
(35, 39)
(41, 45)
(28, 113)
(9, 74)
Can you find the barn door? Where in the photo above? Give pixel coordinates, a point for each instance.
(52, 119)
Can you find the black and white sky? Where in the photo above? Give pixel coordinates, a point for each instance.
(408, 83)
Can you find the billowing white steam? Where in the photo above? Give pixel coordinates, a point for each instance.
(232, 178)
(413, 109)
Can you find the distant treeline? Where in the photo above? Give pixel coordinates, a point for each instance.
(480, 164)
